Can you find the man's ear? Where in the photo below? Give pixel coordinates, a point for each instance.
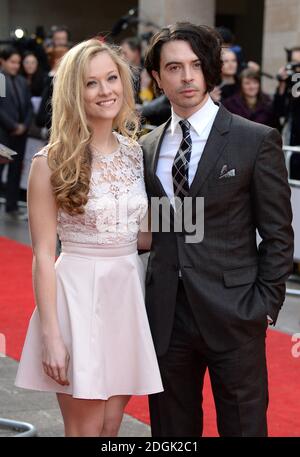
(155, 75)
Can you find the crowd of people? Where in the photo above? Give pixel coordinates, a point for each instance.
(25, 111)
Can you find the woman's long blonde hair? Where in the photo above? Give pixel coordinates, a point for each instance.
(68, 151)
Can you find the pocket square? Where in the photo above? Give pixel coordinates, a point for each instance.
(227, 174)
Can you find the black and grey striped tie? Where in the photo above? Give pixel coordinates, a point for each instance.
(180, 168)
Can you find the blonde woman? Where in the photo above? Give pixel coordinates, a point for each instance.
(89, 338)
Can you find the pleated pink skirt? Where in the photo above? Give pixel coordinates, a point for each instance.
(103, 322)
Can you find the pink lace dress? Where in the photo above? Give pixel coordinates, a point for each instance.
(100, 289)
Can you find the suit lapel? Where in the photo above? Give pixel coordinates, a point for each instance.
(155, 146)
(215, 144)
(10, 90)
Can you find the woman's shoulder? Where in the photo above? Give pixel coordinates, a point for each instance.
(126, 140)
(42, 153)
(40, 168)
(130, 146)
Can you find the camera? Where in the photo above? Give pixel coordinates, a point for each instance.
(291, 68)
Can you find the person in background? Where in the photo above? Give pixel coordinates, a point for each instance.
(250, 102)
(34, 75)
(36, 78)
(228, 41)
(287, 107)
(157, 111)
(15, 119)
(43, 117)
(147, 92)
(132, 52)
(60, 36)
(229, 83)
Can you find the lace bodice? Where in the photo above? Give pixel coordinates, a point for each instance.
(117, 200)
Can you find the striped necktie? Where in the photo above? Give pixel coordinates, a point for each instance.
(180, 166)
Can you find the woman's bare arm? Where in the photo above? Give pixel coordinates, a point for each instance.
(42, 224)
(145, 235)
(42, 211)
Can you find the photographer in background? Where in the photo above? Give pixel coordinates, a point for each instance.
(287, 106)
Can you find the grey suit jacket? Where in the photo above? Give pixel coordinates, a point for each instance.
(10, 111)
(231, 284)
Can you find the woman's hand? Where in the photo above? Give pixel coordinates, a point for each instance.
(56, 359)
(42, 211)
(19, 130)
(144, 240)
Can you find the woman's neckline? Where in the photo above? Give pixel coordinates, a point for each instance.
(97, 153)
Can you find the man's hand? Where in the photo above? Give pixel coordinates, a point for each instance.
(283, 76)
(19, 130)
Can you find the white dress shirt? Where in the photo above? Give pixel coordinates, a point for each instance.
(201, 124)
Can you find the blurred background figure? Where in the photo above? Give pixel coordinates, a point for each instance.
(36, 79)
(229, 84)
(131, 48)
(132, 52)
(229, 81)
(287, 106)
(146, 88)
(15, 119)
(249, 101)
(32, 72)
(60, 36)
(43, 117)
(228, 40)
(157, 111)
(154, 111)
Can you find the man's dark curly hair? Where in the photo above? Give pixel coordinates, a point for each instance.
(204, 41)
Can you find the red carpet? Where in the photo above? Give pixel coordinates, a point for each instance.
(16, 305)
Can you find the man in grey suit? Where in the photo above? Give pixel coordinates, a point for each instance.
(15, 119)
(209, 302)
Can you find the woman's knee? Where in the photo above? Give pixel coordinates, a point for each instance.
(82, 430)
(111, 425)
(114, 410)
(82, 417)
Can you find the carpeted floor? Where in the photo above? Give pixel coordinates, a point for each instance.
(16, 306)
